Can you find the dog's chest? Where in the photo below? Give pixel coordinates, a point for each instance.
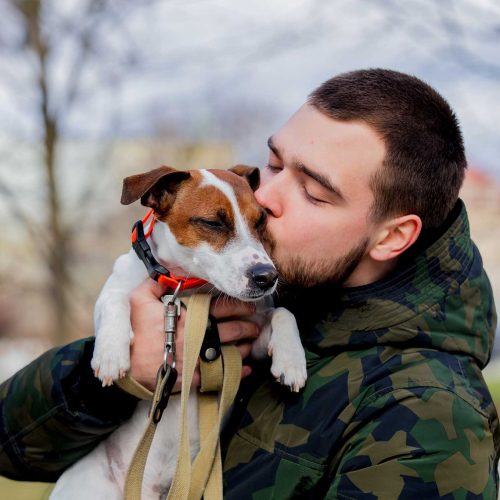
(162, 457)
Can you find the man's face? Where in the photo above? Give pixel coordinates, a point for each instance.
(316, 191)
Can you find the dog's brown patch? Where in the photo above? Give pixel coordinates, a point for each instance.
(253, 214)
(142, 185)
(195, 203)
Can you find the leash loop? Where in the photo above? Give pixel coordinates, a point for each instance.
(165, 381)
(220, 381)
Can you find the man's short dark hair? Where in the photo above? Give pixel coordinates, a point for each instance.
(425, 160)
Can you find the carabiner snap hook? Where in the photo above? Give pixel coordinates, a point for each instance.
(172, 312)
(169, 352)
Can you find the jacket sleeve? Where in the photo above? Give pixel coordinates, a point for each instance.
(417, 443)
(54, 411)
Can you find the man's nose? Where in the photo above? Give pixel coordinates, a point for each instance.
(268, 197)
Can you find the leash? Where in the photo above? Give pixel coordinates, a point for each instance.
(219, 373)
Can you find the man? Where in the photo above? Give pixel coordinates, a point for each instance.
(395, 311)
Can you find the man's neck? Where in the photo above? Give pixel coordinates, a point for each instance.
(369, 271)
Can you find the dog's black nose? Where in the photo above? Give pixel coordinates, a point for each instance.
(264, 276)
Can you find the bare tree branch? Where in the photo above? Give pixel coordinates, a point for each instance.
(18, 215)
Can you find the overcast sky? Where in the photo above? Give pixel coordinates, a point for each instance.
(220, 69)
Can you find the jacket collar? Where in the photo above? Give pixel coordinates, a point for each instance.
(438, 297)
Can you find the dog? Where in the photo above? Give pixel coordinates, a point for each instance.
(208, 225)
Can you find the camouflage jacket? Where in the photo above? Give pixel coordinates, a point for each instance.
(395, 405)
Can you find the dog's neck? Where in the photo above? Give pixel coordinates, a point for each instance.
(169, 253)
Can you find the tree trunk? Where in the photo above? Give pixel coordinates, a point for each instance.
(58, 253)
(57, 258)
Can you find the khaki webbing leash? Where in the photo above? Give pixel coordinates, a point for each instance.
(133, 481)
(130, 385)
(204, 476)
(211, 411)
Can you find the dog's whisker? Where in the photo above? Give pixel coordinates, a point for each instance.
(219, 298)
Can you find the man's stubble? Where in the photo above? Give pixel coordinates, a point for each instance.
(301, 272)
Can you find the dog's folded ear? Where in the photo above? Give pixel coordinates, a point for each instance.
(154, 188)
(251, 174)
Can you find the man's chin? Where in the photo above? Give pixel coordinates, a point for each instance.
(296, 278)
(298, 273)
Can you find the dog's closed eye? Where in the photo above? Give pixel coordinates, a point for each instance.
(211, 224)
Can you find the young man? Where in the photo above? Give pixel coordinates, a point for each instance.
(395, 311)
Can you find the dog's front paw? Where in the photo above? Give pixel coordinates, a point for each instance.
(289, 364)
(110, 361)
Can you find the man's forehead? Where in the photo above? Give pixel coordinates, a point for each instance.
(312, 126)
(342, 151)
(322, 179)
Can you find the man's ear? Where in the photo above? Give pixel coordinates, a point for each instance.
(251, 174)
(395, 237)
(156, 188)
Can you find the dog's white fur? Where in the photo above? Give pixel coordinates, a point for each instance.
(101, 474)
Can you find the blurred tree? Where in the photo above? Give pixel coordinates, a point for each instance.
(64, 66)
(466, 33)
(58, 57)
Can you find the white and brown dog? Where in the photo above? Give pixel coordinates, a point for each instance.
(208, 225)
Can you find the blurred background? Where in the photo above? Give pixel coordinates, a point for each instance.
(93, 90)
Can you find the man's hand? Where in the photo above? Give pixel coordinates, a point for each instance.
(146, 315)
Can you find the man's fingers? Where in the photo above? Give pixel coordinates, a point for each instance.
(147, 291)
(245, 371)
(225, 307)
(245, 349)
(236, 330)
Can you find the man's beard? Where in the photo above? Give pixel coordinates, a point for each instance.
(300, 273)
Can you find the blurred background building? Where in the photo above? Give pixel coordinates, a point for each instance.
(94, 90)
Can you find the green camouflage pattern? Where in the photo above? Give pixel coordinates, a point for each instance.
(395, 405)
(55, 411)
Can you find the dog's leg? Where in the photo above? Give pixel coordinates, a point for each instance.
(112, 319)
(260, 347)
(289, 362)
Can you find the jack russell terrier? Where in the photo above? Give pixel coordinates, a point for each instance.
(208, 225)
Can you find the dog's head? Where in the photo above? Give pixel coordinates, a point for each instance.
(210, 225)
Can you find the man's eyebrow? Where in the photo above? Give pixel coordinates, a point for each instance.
(320, 179)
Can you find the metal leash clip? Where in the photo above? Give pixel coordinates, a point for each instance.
(167, 374)
(172, 305)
